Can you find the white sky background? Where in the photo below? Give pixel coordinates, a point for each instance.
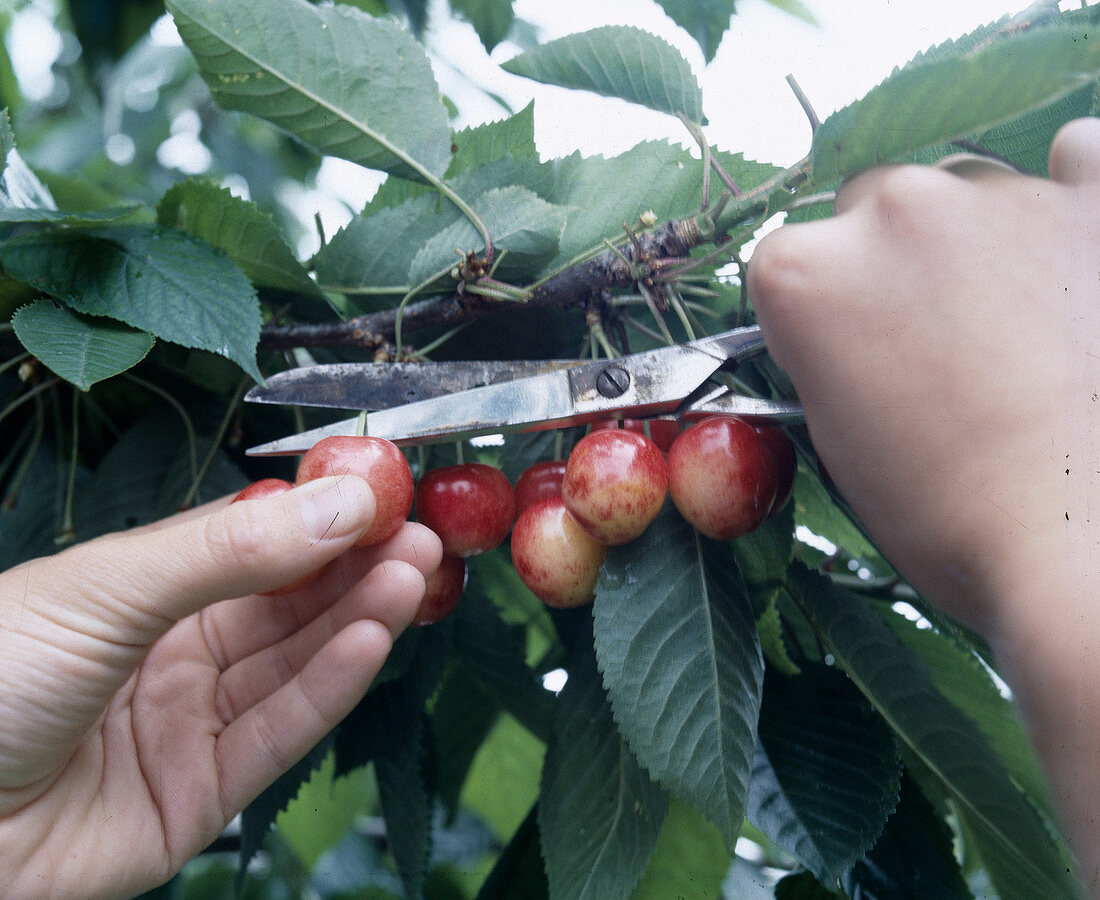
(745, 96)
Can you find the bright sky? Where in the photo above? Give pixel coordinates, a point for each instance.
(745, 95)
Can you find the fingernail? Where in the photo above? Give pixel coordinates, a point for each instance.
(333, 507)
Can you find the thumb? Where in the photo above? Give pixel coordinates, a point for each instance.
(137, 585)
(1075, 152)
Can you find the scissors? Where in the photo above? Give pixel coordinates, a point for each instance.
(427, 402)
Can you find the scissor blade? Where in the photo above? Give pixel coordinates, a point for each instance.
(505, 407)
(375, 386)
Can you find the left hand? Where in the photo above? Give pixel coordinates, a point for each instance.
(148, 691)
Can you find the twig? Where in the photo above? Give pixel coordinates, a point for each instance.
(804, 102)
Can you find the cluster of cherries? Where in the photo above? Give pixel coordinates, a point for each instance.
(725, 476)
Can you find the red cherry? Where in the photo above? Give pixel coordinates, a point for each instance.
(615, 483)
(661, 431)
(538, 482)
(556, 558)
(785, 463)
(271, 487)
(443, 591)
(722, 477)
(265, 487)
(470, 506)
(380, 463)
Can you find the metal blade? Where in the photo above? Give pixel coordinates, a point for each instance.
(543, 400)
(374, 386)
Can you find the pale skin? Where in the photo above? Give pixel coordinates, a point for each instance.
(148, 692)
(943, 332)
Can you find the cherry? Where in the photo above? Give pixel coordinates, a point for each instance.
(380, 463)
(615, 483)
(661, 431)
(443, 591)
(722, 477)
(538, 482)
(556, 558)
(786, 465)
(471, 506)
(271, 487)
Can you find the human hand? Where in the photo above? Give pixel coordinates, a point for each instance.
(943, 333)
(148, 691)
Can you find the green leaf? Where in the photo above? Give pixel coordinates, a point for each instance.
(387, 727)
(796, 8)
(375, 251)
(521, 223)
(462, 716)
(689, 860)
(155, 279)
(705, 20)
(492, 19)
(825, 777)
(1021, 857)
(347, 84)
(81, 349)
(617, 61)
(954, 97)
(914, 857)
(599, 812)
(492, 652)
(240, 229)
(512, 138)
(681, 661)
(259, 816)
(653, 176)
(803, 886)
(963, 679)
(519, 871)
(92, 218)
(7, 139)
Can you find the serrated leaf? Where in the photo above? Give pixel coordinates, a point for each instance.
(347, 84)
(681, 662)
(954, 97)
(617, 61)
(387, 728)
(147, 473)
(1020, 855)
(705, 20)
(7, 139)
(525, 229)
(19, 186)
(519, 870)
(240, 229)
(913, 858)
(769, 625)
(81, 349)
(91, 218)
(492, 19)
(259, 816)
(796, 8)
(651, 176)
(825, 777)
(492, 652)
(599, 812)
(803, 886)
(155, 279)
(373, 253)
(513, 138)
(962, 678)
(763, 554)
(689, 860)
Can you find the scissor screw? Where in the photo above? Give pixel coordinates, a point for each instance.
(612, 382)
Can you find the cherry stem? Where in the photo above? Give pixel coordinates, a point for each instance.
(215, 444)
(188, 425)
(16, 483)
(68, 532)
(804, 102)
